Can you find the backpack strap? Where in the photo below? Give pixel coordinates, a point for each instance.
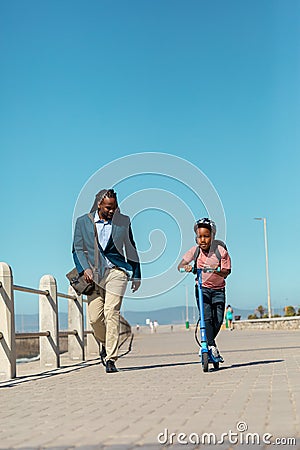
(195, 257)
(215, 248)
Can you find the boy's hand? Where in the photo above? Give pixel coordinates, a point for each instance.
(183, 266)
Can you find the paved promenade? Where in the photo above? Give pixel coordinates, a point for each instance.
(161, 389)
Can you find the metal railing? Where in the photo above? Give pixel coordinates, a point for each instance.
(48, 333)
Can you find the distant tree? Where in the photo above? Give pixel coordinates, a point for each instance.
(289, 311)
(261, 310)
(252, 317)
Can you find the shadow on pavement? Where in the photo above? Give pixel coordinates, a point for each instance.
(232, 366)
(251, 363)
(68, 369)
(51, 373)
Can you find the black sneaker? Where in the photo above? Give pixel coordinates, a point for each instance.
(110, 366)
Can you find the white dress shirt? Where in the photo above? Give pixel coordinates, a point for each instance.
(104, 232)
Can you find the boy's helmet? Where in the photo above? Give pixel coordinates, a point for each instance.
(206, 223)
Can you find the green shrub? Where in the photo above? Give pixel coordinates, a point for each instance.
(289, 311)
(252, 316)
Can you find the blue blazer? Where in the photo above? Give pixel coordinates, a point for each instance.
(121, 239)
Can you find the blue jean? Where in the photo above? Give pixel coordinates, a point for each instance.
(214, 307)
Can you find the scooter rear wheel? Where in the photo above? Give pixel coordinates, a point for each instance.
(205, 362)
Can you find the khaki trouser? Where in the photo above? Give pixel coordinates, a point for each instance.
(104, 310)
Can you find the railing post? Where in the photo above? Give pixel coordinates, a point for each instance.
(75, 322)
(7, 324)
(48, 318)
(92, 345)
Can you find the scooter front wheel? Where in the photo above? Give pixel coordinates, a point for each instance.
(216, 365)
(205, 361)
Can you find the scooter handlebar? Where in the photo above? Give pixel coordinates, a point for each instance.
(211, 269)
(205, 269)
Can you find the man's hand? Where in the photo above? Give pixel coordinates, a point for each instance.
(88, 275)
(135, 285)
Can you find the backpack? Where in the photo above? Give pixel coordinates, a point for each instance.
(213, 249)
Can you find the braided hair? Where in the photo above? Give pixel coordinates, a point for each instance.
(104, 193)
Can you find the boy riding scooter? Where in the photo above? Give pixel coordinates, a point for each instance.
(212, 257)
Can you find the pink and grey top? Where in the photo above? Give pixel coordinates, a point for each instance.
(210, 280)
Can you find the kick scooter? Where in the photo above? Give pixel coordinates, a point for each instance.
(205, 353)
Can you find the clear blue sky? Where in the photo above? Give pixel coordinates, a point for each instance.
(215, 83)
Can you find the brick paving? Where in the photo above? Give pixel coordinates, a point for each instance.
(161, 386)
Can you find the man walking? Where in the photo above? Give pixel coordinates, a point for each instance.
(106, 265)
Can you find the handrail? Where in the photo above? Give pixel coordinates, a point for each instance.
(31, 290)
(71, 297)
(49, 334)
(68, 333)
(39, 291)
(33, 334)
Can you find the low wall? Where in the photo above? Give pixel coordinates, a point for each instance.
(277, 323)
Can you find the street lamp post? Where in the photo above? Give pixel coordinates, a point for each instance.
(267, 263)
